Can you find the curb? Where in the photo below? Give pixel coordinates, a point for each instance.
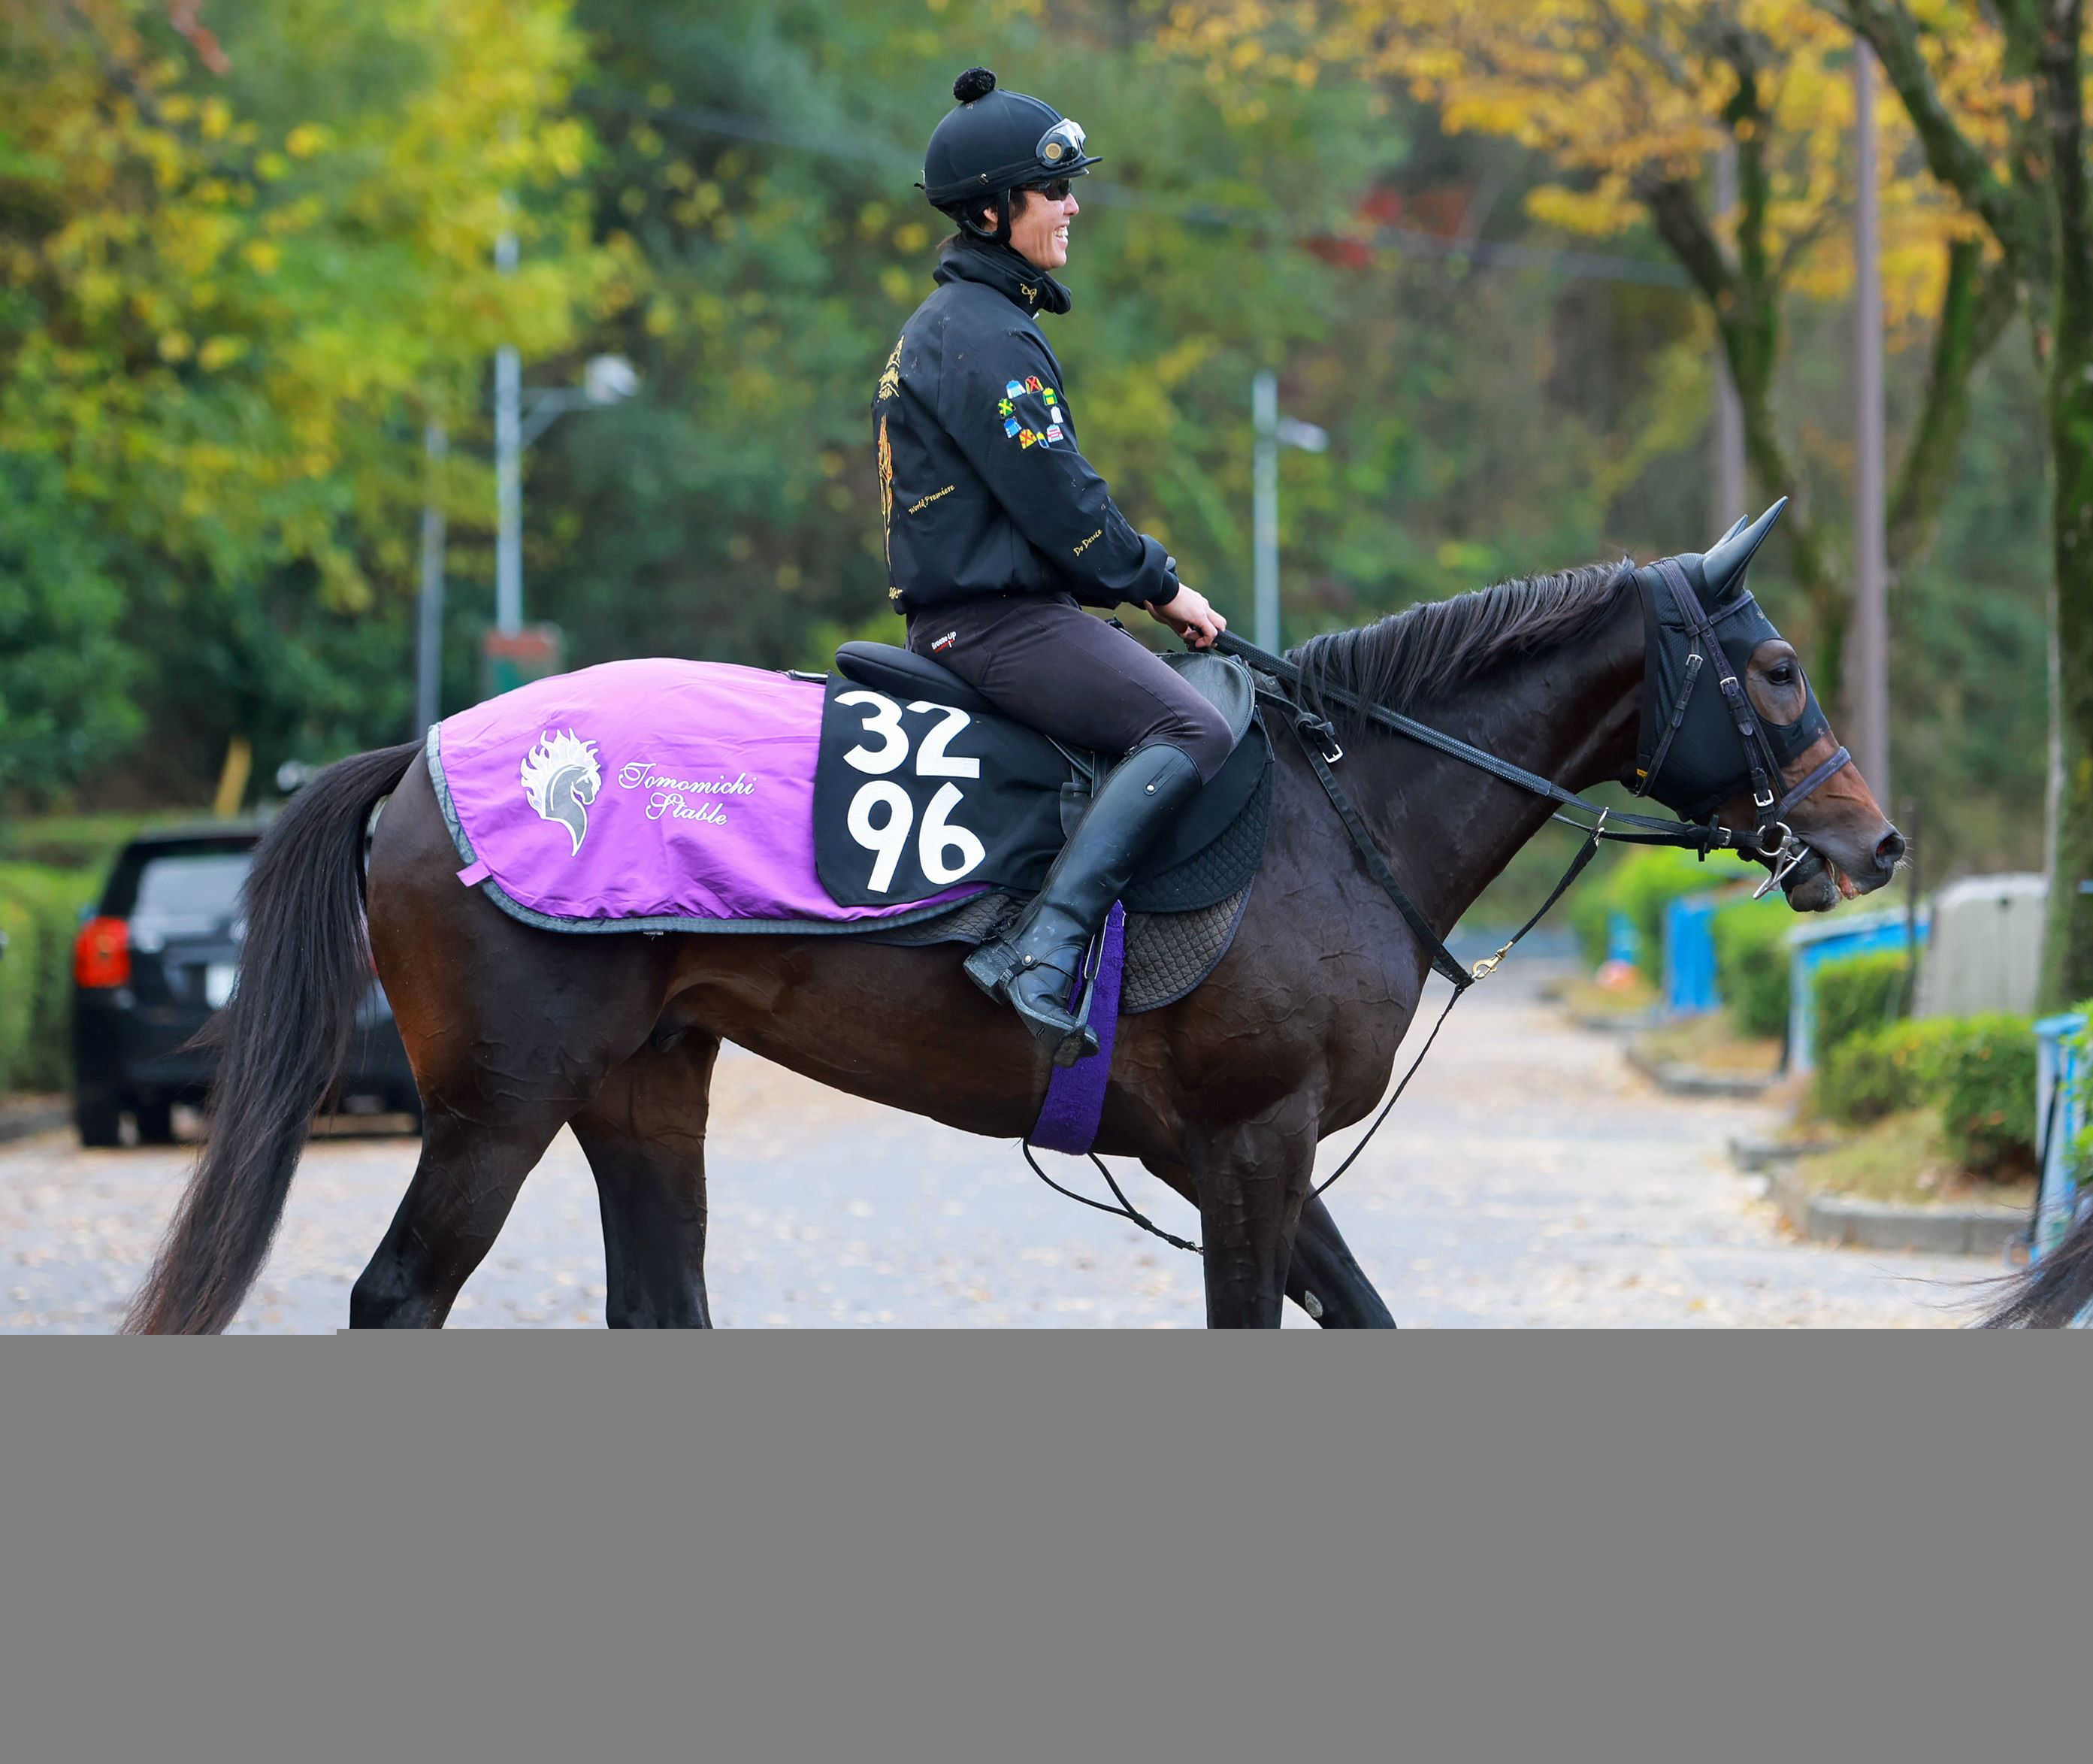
(1869, 1224)
(1693, 1081)
(43, 1115)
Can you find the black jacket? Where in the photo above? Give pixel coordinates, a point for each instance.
(981, 486)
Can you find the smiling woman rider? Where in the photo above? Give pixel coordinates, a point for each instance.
(1000, 533)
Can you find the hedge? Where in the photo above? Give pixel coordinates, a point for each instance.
(40, 910)
(1752, 963)
(1880, 1071)
(1644, 884)
(1988, 1099)
(1979, 1070)
(1856, 994)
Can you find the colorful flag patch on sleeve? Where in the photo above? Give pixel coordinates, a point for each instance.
(1013, 390)
(1026, 437)
(1032, 383)
(1003, 407)
(1053, 431)
(1010, 425)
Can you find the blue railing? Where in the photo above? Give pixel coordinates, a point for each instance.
(2060, 1114)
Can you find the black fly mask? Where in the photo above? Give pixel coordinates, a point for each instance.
(1700, 625)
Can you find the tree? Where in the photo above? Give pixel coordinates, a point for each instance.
(2011, 146)
(1630, 102)
(238, 263)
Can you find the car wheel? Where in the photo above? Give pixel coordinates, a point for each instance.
(156, 1123)
(97, 1118)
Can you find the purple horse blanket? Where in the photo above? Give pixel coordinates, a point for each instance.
(648, 795)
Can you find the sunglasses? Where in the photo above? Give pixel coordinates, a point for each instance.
(1055, 191)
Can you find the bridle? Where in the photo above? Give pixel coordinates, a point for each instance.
(1776, 840)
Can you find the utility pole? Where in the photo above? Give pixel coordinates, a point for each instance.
(1729, 409)
(429, 650)
(1869, 649)
(1273, 432)
(508, 470)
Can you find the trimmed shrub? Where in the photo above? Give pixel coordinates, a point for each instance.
(39, 969)
(1879, 1071)
(1751, 963)
(1855, 994)
(1987, 1095)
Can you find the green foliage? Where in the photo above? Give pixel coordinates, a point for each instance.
(1881, 1070)
(1856, 994)
(1752, 963)
(1979, 1070)
(39, 909)
(1987, 1095)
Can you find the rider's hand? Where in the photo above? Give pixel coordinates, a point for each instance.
(1188, 614)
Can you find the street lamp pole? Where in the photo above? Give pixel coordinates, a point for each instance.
(429, 650)
(508, 469)
(1273, 432)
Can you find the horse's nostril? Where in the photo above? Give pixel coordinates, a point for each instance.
(1888, 849)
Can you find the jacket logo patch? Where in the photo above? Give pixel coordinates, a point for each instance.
(1032, 383)
(1014, 390)
(945, 642)
(1009, 423)
(1031, 294)
(1026, 437)
(1053, 431)
(889, 377)
(1003, 407)
(1086, 545)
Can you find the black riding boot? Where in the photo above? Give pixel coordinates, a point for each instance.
(1037, 963)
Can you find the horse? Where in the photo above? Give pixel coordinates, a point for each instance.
(515, 1032)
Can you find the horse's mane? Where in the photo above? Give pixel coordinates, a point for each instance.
(1416, 657)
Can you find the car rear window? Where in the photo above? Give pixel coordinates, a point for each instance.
(180, 892)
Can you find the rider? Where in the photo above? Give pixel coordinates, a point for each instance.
(1000, 533)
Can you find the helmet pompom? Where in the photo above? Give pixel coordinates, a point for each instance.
(975, 83)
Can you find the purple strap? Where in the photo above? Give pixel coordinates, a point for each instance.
(474, 874)
(1076, 1094)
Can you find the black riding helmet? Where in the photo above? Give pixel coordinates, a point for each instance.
(995, 142)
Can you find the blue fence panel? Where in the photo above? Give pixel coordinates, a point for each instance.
(1811, 946)
(1689, 955)
(2059, 1113)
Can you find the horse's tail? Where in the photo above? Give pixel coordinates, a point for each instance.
(305, 967)
(2055, 1291)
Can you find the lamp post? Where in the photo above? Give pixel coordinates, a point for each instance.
(1273, 432)
(1868, 651)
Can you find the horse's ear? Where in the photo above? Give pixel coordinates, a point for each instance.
(1723, 569)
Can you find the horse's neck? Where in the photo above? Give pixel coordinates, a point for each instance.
(1572, 717)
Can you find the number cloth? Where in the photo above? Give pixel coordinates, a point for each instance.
(648, 794)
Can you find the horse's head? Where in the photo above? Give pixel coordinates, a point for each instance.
(1759, 756)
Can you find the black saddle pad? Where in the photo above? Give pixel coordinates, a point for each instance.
(915, 795)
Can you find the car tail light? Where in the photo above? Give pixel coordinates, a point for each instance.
(102, 953)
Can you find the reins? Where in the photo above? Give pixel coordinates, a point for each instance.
(1770, 839)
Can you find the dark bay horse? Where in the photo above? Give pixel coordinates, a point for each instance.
(515, 1032)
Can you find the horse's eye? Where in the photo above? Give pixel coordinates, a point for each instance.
(1782, 675)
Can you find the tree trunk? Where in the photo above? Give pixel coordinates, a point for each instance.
(2067, 951)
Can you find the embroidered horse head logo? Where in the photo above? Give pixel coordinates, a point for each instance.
(561, 778)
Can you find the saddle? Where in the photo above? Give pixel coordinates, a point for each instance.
(922, 785)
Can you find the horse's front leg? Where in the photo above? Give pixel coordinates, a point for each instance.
(1252, 1179)
(1323, 1276)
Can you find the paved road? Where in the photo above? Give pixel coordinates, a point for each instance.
(1529, 1178)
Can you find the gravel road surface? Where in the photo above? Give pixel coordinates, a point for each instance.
(1529, 1178)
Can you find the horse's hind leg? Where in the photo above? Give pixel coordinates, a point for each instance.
(645, 1136)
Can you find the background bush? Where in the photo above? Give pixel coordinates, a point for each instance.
(1856, 995)
(1987, 1095)
(1752, 963)
(40, 909)
(1880, 1071)
(1650, 880)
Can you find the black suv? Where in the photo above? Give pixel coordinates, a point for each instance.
(157, 958)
